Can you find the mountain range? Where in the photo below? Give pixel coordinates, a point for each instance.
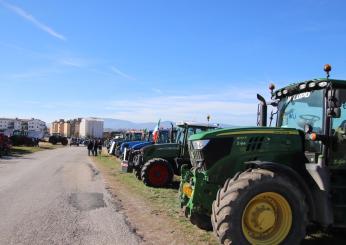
(115, 124)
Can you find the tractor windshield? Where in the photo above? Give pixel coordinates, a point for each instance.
(180, 135)
(137, 136)
(300, 109)
(164, 136)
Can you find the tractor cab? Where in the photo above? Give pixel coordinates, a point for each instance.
(184, 131)
(157, 163)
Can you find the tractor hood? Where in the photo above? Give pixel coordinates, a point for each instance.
(128, 144)
(227, 150)
(168, 150)
(243, 131)
(141, 145)
(133, 143)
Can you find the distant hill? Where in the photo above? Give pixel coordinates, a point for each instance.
(115, 124)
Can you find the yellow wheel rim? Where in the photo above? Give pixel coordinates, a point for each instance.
(267, 219)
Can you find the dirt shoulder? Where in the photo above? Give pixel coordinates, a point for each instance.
(154, 214)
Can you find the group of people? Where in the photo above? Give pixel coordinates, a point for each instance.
(94, 147)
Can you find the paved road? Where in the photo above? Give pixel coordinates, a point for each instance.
(57, 197)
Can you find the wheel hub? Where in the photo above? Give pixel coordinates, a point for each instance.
(158, 174)
(267, 219)
(262, 217)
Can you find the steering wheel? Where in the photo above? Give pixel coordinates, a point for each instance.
(310, 118)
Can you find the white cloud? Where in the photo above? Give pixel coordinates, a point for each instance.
(221, 107)
(22, 13)
(122, 74)
(156, 90)
(74, 62)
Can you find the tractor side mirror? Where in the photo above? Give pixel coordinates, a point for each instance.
(334, 112)
(343, 134)
(308, 128)
(334, 97)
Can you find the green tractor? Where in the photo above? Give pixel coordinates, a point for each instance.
(57, 138)
(156, 164)
(265, 185)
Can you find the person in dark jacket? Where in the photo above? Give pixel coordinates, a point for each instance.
(95, 147)
(90, 148)
(100, 147)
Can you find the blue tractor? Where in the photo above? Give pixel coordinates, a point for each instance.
(133, 148)
(132, 137)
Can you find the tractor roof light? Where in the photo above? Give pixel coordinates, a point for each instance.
(312, 85)
(322, 84)
(285, 91)
(271, 87)
(279, 93)
(302, 86)
(327, 68)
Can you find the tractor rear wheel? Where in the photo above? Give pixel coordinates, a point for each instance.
(259, 207)
(157, 172)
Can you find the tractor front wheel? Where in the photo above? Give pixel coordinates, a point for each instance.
(64, 141)
(137, 172)
(53, 140)
(259, 207)
(157, 172)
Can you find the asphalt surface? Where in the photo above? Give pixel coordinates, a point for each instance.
(58, 197)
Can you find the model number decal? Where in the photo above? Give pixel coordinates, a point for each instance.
(299, 96)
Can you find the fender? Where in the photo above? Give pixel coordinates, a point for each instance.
(292, 174)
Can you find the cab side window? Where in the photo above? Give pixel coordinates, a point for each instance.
(338, 130)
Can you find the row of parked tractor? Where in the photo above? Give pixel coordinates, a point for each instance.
(256, 185)
(6, 142)
(5, 145)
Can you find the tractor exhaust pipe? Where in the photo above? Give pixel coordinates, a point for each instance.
(261, 112)
(172, 133)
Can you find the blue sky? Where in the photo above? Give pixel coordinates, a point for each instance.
(174, 60)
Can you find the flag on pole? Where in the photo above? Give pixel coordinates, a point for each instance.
(156, 132)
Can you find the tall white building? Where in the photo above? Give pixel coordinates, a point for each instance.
(36, 125)
(91, 128)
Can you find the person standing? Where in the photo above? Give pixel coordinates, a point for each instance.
(100, 147)
(95, 147)
(90, 147)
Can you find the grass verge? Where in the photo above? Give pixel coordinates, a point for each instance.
(18, 151)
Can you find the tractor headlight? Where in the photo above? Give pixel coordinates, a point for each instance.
(199, 144)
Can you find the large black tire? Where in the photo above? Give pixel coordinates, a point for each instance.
(53, 140)
(64, 141)
(157, 172)
(137, 172)
(233, 198)
(202, 221)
